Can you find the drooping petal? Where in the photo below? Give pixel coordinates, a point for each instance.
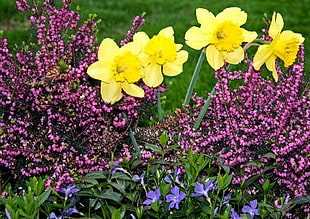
(167, 32)
(249, 36)
(111, 92)
(152, 75)
(214, 57)
(232, 14)
(234, 57)
(107, 50)
(100, 70)
(196, 39)
(276, 25)
(262, 54)
(133, 90)
(206, 19)
(271, 66)
(288, 34)
(176, 67)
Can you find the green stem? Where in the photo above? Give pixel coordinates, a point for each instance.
(207, 104)
(194, 78)
(132, 137)
(159, 110)
(204, 109)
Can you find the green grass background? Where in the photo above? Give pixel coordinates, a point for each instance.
(116, 16)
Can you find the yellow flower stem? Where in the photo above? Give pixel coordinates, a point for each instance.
(132, 137)
(159, 109)
(207, 104)
(192, 84)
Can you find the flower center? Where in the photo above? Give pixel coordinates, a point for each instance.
(161, 49)
(228, 36)
(127, 67)
(287, 50)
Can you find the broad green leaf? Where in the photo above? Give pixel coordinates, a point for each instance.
(154, 147)
(270, 155)
(300, 200)
(249, 181)
(43, 197)
(163, 139)
(111, 195)
(171, 148)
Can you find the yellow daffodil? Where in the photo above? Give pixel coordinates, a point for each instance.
(160, 56)
(117, 69)
(221, 35)
(284, 45)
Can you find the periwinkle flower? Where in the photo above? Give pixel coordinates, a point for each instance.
(54, 216)
(175, 198)
(140, 178)
(234, 214)
(252, 210)
(176, 177)
(153, 197)
(116, 168)
(70, 190)
(7, 213)
(202, 190)
(72, 210)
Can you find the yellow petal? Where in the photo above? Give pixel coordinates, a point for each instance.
(142, 38)
(271, 66)
(233, 14)
(214, 57)
(234, 57)
(167, 32)
(179, 46)
(100, 70)
(107, 50)
(111, 92)
(152, 75)
(263, 53)
(196, 39)
(176, 67)
(134, 47)
(206, 19)
(133, 90)
(287, 35)
(276, 25)
(249, 36)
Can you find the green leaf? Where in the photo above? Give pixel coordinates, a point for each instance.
(249, 181)
(110, 195)
(96, 175)
(171, 148)
(43, 197)
(227, 180)
(3, 201)
(154, 147)
(300, 200)
(266, 184)
(270, 155)
(163, 138)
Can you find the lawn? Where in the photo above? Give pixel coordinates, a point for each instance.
(116, 17)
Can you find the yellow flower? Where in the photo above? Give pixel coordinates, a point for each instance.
(117, 69)
(221, 35)
(160, 56)
(284, 45)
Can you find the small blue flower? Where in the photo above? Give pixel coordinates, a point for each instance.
(72, 210)
(54, 216)
(7, 213)
(176, 177)
(69, 191)
(252, 210)
(153, 197)
(140, 178)
(226, 198)
(234, 214)
(202, 190)
(175, 198)
(116, 168)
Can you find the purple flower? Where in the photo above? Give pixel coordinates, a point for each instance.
(54, 216)
(202, 190)
(70, 190)
(234, 214)
(153, 197)
(140, 178)
(176, 177)
(7, 213)
(252, 210)
(72, 210)
(116, 168)
(175, 198)
(226, 198)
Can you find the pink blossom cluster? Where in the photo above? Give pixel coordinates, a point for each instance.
(53, 120)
